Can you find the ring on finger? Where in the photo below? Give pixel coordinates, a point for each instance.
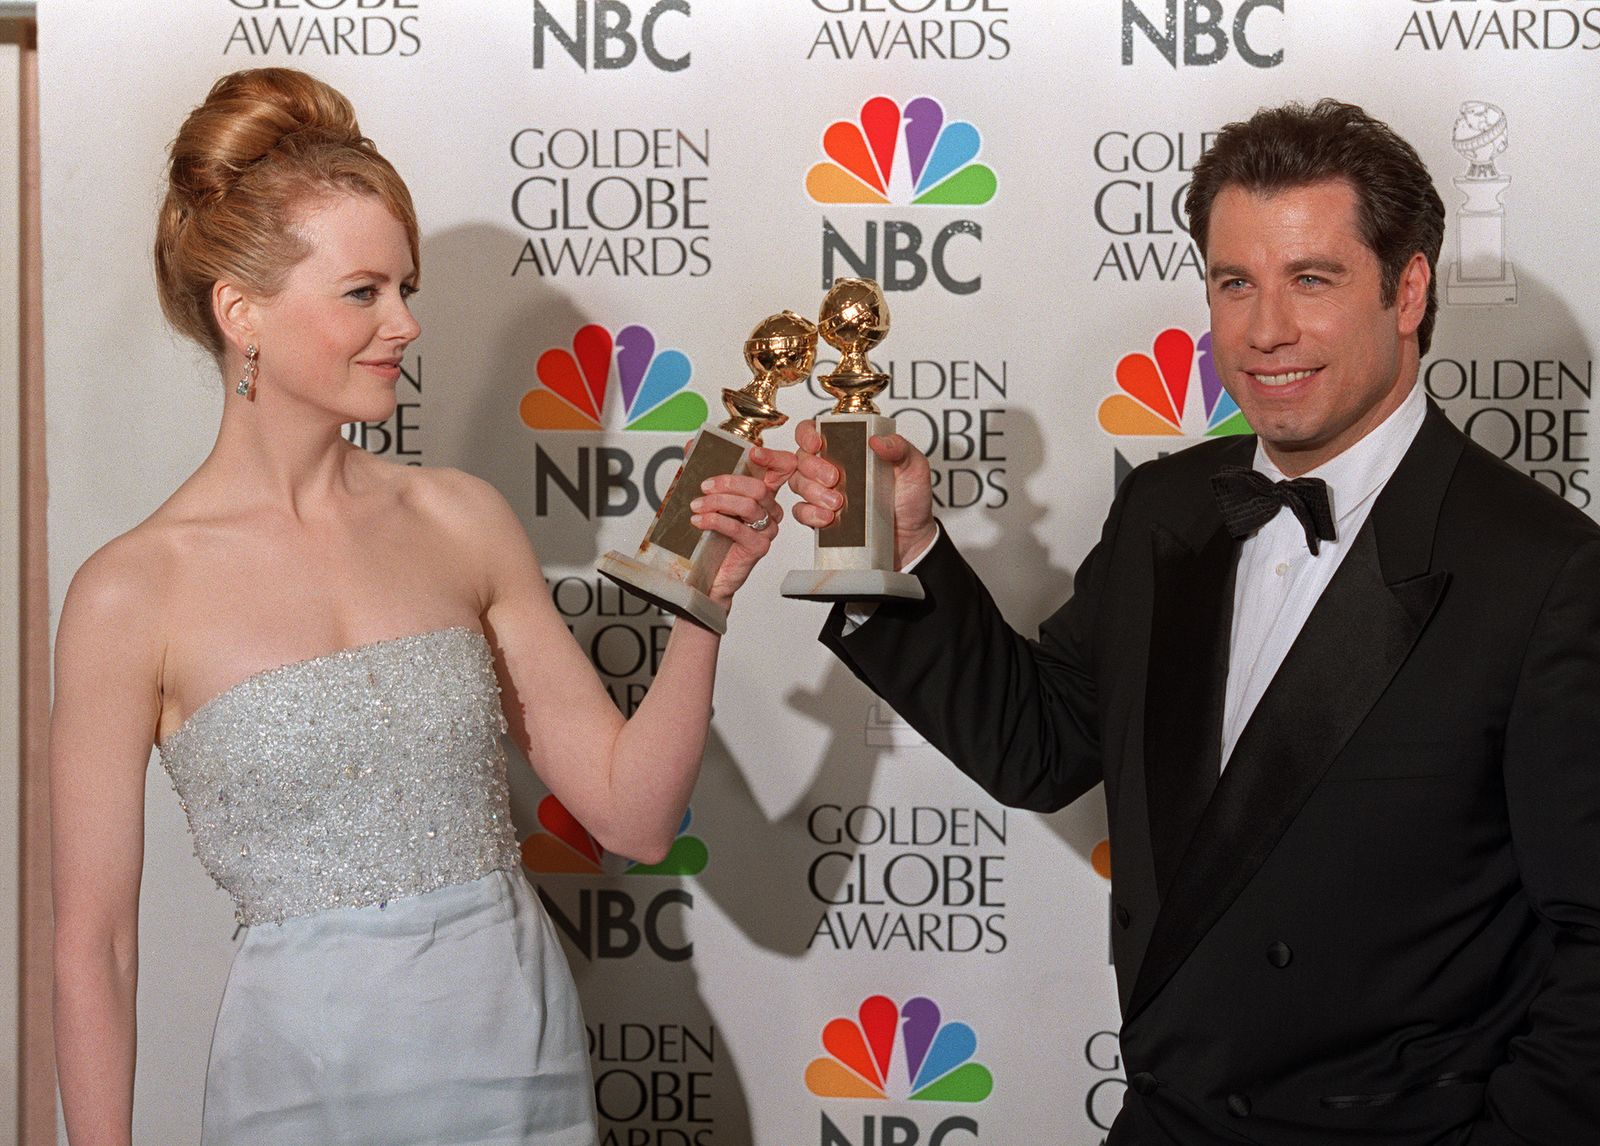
(761, 522)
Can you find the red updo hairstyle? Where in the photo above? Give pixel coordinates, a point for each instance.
(266, 144)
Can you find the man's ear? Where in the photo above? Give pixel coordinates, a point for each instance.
(1411, 294)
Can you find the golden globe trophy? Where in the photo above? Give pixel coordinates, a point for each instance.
(676, 562)
(855, 554)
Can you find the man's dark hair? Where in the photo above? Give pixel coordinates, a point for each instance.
(1279, 148)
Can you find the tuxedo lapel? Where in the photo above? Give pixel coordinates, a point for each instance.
(1360, 632)
(1186, 672)
(1188, 667)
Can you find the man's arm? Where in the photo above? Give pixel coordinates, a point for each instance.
(1020, 717)
(1549, 1089)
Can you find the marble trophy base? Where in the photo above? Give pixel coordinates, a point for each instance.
(855, 555)
(1480, 275)
(1462, 291)
(851, 585)
(676, 562)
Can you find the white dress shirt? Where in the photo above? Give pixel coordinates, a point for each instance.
(1279, 580)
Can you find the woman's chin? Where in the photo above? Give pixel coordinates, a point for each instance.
(369, 412)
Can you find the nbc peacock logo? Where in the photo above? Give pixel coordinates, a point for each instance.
(573, 383)
(895, 155)
(935, 1056)
(1154, 389)
(565, 847)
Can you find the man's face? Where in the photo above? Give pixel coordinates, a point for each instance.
(1299, 331)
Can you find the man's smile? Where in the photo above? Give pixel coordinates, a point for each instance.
(1283, 378)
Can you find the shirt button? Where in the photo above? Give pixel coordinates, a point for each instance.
(1281, 568)
(1279, 954)
(1239, 1105)
(1144, 1082)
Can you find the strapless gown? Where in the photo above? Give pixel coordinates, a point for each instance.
(399, 981)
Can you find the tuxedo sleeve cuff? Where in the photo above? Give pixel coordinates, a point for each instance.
(858, 613)
(944, 574)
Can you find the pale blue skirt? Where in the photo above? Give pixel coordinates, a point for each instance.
(447, 1017)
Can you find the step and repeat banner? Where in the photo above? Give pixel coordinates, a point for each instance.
(850, 945)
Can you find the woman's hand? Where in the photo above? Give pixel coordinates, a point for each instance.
(735, 506)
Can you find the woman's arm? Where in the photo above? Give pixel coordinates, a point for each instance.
(627, 781)
(107, 702)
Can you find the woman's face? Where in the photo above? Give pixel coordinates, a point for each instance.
(332, 338)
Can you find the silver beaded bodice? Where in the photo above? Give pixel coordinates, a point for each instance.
(349, 779)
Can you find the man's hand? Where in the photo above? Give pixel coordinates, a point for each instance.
(815, 482)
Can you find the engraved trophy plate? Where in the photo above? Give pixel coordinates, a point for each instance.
(675, 564)
(855, 554)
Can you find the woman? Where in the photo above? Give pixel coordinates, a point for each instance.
(325, 647)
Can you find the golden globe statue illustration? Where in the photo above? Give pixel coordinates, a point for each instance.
(855, 554)
(676, 562)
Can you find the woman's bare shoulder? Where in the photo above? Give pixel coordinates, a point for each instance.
(458, 500)
(118, 599)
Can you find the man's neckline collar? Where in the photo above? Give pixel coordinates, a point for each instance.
(1354, 475)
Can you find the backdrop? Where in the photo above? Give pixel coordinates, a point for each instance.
(649, 178)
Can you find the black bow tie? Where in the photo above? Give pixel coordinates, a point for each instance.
(1249, 500)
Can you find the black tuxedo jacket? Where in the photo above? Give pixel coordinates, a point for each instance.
(1381, 924)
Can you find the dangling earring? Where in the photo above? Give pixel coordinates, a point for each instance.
(249, 379)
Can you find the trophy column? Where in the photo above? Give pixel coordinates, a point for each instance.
(854, 558)
(675, 564)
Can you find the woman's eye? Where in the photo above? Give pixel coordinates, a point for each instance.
(363, 294)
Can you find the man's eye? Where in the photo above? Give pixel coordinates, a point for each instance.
(1312, 280)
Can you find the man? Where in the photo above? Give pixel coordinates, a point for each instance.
(1351, 751)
